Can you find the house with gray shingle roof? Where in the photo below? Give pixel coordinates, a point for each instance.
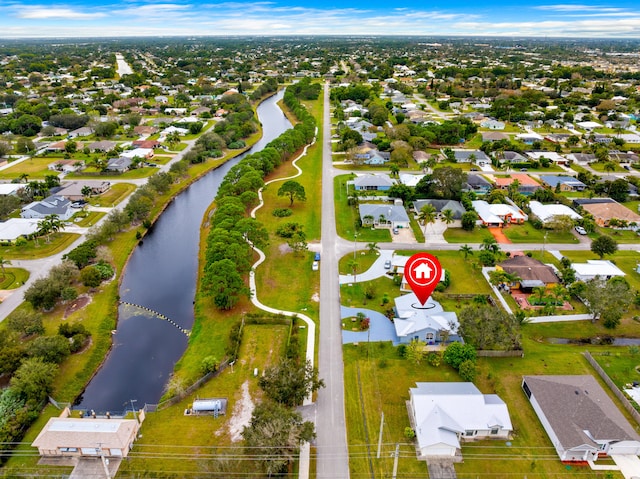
(52, 205)
(371, 182)
(378, 214)
(579, 417)
(440, 206)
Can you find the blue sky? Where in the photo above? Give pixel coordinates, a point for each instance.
(506, 18)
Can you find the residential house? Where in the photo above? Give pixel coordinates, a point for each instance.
(201, 111)
(147, 144)
(511, 157)
(72, 190)
(420, 156)
(529, 138)
(581, 420)
(145, 130)
(623, 156)
(12, 189)
(588, 125)
(381, 215)
(372, 157)
(443, 414)
(530, 272)
(593, 268)
(14, 228)
(477, 184)
(498, 214)
(94, 437)
(566, 183)
(65, 166)
(143, 153)
(82, 131)
(51, 205)
(57, 147)
(492, 136)
(557, 137)
(410, 180)
(120, 164)
(606, 209)
(492, 124)
(549, 155)
(582, 157)
(428, 323)
(470, 156)
(526, 184)
(102, 146)
(440, 206)
(372, 182)
(548, 213)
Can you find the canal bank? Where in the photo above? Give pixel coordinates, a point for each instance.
(161, 276)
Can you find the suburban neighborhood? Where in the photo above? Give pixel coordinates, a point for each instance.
(213, 237)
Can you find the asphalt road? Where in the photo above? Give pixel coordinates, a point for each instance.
(332, 453)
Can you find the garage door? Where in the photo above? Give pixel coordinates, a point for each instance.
(116, 452)
(440, 451)
(89, 451)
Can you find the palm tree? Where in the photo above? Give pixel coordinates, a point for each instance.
(447, 216)
(490, 244)
(395, 169)
(368, 219)
(373, 248)
(466, 250)
(427, 215)
(3, 263)
(44, 228)
(23, 177)
(539, 293)
(50, 224)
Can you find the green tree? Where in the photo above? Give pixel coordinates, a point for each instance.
(468, 370)
(293, 190)
(373, 248)
(223, 283)
(448, 216)
(427, 215)
(456, 353)
(469, 219)
(34, 380)
(51, 349)
(466, 250)
(274, 436)
(415, 351)
(607, 300)
(289, 382)
(3, 263)
(603, 245)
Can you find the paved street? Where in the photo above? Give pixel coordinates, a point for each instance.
(333, 457)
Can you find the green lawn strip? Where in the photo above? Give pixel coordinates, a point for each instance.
(600, 167)
(364, 259)
(577, 168)
(633, 205)
(13, 278)
(42, 249)
(353, 294)
(114, 195)
(416, 228)
(458, 235)
(526, 233)
(161, 159)
(261, 347)
(621, 236)
(87, 218)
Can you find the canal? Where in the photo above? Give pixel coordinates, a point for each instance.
(161, 276)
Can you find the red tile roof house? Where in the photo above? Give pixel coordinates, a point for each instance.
(527, 185)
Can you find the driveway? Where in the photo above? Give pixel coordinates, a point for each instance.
(375, 271)
(405, 235)
(629, 465)
(380, 327)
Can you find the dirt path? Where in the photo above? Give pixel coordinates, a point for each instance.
(499, 235)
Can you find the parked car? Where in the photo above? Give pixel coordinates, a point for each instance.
(316, 257)
(396, 231)
(523, 169)
(387, 264)
(315, 266)
(580, 230)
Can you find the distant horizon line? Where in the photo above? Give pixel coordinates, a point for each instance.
(316, 35)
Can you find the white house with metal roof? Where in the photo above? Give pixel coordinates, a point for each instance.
(547, 213)
(429, 323)
(446, 413)
(601, 268)
(498, 214)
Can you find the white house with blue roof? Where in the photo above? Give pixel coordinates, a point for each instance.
(445, 413)
(429, 323)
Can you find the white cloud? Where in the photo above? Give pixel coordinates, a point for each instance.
(41, 12)
(577, 8)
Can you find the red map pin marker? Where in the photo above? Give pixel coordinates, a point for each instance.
(423, 272)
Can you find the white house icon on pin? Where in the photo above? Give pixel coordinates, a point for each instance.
(422, 271)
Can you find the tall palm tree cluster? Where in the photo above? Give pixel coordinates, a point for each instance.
(48, 225)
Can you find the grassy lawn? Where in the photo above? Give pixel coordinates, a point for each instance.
(87, 218)
(353, 295)
(598, 166)
(13, 278)
(364, 259)
(32, 250)
(113, 196)
(370, 369)
(622, 366)
(578, 169)
(136, 174)
(526, 233)
(621, 236)
(35, 167)
(262, 346)
(458, 235)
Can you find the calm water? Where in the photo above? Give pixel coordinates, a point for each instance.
(161, 275)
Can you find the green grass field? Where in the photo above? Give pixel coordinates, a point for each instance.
(526, 233)
(458, 235)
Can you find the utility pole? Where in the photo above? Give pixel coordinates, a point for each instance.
(105, 462)
(135, 416)
(380, 436)
(395, 461)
